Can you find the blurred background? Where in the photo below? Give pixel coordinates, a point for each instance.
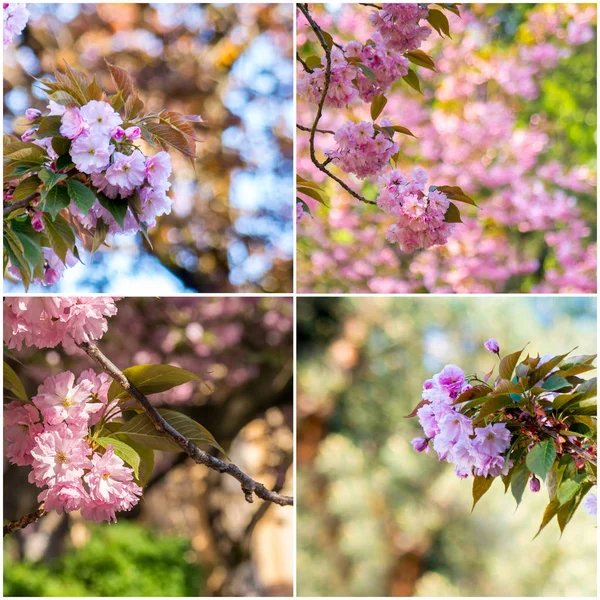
(375, 518)
(231, 227)
(193, 533)
(510, 116)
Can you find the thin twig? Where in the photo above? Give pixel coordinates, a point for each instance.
(25, 520)
(303, 63)
(313, 157)
(303, 128)
(249, 486)
(19, 204)
(372, 5)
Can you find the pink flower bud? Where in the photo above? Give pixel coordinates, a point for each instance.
(420, 444)
(36, 221)
(133, 133)
(534, 484)
(52, 276)
(492, 346)
(28, 135)
(31, 114)
(118, 133)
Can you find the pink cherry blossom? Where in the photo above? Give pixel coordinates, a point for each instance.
(158, 169)
(101, 117)
(72, 124)
(64, 496)
(15, 18)
(59, 455)
(492, 439)
(60, 399)
(21, 425)
(127, 172)
(91, 152)
(31, 114)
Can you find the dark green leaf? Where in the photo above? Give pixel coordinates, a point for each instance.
(555, 382)
(117, 207)
(519, 482)
(81, 195)
(541, 458)
(452, 214)
(55, 200)
(420, 58)
(413, 80)
(60, 236)
(377, 105)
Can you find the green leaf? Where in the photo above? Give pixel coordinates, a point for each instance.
(367, 72)
(26, 188)
(117, 207)
(64, 162)
(152, 379)
(549, 514)
(403, 130)
(141, 430)
(555, 382)
(61, 145)
(81, 195)
(328, 38)
(567, 490)
(55, 200)
(50, 179)
(377, 105)
(49, 127)
(439, 21)
(480, 486)
(309, 191)
(494, 405)
(413, 80)
(452, 214)
(313, 62)
(16, 253)
(541, 458)
(455, 193)
(508, 364)
(100, 233)
(519, 482)
(60, 235)
(146, 457)
(12, 383)
(123, 451)
(420, 58)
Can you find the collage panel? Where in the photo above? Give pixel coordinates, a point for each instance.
(446, 148)
(148, 148)
(97, 501)
(446, 447)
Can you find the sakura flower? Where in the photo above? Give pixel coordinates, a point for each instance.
(101, 183)
(127, 172)
(15, 19)
(99, 393)
(455, 426)
(452, 379)
(133, 133)
(64, 496)
(117, 133)
(158, 169)
(101, 117)
(21, 425)
(492, 439)
(72, 123)
(60, 399)
(91, 152)
(59, 455)
(55, 108)
(110, 483)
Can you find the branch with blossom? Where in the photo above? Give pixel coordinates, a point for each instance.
(72, 435)
(536, 421)
(79, 173)
(425, 217)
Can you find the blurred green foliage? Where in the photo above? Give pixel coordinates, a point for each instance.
(376, 518)
(120, 560)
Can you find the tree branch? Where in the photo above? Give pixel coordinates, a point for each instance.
(303, 63)
(303, 128)
(19, 204)
(25, 520)
(313, 157)
(249, 486)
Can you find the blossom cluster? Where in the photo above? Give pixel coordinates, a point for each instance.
(398, 25)
(361, 149)
(102, 149)
(15, 18)
(386, 64)
(419, 214)
(45, 322)
(473, 450)
(52, 436)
